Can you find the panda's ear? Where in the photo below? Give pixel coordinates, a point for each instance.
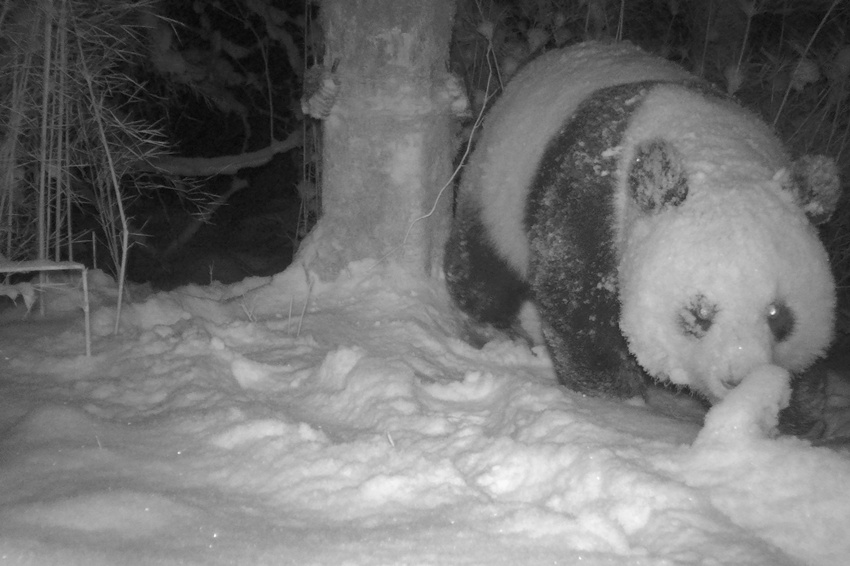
(815, 186)
(657, 177)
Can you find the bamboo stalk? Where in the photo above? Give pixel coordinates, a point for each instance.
(45, 95)
(42, 177)
(86, 310)
(69, 217)
(97, 105)
(60, 166)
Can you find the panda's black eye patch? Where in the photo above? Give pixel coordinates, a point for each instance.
(780, 319)
(696, 318)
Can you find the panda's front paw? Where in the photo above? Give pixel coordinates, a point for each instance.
(820, 405)
(803, 416)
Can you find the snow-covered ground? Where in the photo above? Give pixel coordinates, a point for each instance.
(290, 421)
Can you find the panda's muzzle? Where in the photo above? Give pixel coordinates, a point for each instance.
(732, 381)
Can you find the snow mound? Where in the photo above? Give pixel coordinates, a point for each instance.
(750, 411)
(289, 420)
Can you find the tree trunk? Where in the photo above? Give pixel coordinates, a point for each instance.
(386, 152)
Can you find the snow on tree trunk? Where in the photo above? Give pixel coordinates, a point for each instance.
(387, 141)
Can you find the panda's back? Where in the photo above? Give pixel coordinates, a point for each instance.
(529, 113)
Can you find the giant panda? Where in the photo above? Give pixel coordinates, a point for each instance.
(658, 228)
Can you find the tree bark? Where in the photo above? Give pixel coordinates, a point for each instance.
(386, 144)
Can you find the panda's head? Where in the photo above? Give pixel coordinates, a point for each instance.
(717, 278)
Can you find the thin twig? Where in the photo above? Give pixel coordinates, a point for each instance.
(802, 56)
(467, 150)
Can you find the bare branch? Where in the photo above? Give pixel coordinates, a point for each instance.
(224, 164)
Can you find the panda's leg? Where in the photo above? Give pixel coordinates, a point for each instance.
(806, 413)
(583, 337)
(573, 278)
(479, 280)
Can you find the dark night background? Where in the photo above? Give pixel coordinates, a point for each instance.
(242, 68)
